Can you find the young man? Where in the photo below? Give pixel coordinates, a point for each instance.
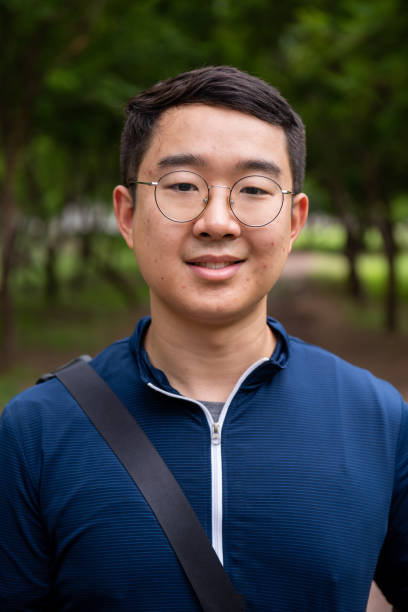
(295, 462)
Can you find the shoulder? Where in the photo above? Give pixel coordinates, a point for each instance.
(311, 366)
(328, 381)
(327, 368)
(45, 410)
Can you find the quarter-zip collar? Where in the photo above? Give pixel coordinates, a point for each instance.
(150, 374)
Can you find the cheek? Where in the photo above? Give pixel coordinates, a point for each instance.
(273, 256)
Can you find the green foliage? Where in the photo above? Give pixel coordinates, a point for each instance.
(322, 236)
(16, 381)
(82, 280)
(348, 73)
(330, 268)
(341, 64)
(328, 234)
(68, 68)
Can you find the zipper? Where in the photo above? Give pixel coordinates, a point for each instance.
(216, 456)
(216, 491)
(216, 438)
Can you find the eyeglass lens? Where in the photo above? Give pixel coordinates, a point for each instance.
(255, 200)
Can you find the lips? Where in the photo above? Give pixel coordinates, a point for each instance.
(214, 265)
(214, 262)
(215, 268)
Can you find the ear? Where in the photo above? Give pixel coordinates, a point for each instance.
(124, 210)
(300, 210)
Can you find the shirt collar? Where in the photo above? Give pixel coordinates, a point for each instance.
(150, 374)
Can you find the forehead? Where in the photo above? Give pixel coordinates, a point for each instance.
(214, 138)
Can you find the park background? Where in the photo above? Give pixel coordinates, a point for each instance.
(68, 283)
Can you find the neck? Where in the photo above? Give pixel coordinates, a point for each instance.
(203, 360)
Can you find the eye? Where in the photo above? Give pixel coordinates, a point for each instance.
(253, 191)
(183, 187)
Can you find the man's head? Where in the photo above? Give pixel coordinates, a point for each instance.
(224, 130)
(221, 86)
(215, 268)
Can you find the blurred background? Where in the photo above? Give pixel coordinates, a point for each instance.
(69, 285)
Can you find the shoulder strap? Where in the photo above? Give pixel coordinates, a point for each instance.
(157, 484)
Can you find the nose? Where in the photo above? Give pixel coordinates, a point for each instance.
(217, 220)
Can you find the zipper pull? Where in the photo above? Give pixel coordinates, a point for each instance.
(216, 437)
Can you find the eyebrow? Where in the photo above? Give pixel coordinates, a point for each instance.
(189, 159)
(261, 165)
(181, 159)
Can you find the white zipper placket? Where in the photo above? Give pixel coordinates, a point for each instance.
(216, 456)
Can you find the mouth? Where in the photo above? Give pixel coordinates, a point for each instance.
(215, 265)
(213, 268)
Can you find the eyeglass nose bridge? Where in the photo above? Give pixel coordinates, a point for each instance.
(206, 200)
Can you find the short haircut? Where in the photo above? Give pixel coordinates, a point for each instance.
(222, 86)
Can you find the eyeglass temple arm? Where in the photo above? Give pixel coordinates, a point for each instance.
(151, 183)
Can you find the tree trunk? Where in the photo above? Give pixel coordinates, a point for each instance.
(354, 241)
(87, 240)
(378, 196)
(390, 250)
(51, 278)
(352, 250)
(8, 238)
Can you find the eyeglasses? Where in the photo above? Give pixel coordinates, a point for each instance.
(182, 196)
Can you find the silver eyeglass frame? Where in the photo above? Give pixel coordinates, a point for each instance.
(155, 184)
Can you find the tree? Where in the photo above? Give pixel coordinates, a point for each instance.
(66, 71)
(36, 39)
(348, 63)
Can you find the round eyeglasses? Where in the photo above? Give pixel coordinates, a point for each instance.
(182, 196)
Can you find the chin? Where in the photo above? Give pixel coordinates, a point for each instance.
(221, 315)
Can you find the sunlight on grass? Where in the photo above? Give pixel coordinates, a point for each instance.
(329, 268)
(373, 272)
(332, 269)
(321, 237)
(17, 379)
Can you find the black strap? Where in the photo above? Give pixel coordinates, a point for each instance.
(157, 484)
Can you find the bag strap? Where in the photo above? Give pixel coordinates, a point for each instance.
(157, 484)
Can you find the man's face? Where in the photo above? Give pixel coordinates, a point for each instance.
(177, 259)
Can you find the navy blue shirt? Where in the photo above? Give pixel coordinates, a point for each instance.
(302, 488)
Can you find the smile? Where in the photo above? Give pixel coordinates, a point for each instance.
(213, 269)
(214, 265)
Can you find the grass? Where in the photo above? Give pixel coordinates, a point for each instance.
(90, 312)
(47, 338)
(327, 235)
(321, 236)
(331, 269)
(17, 379)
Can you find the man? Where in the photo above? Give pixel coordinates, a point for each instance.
(295, 462)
